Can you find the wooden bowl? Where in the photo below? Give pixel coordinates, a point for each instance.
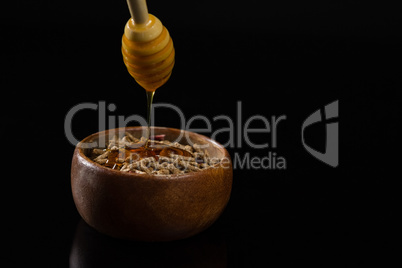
(146, 207)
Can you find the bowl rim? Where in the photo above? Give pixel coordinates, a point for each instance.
(88, 162)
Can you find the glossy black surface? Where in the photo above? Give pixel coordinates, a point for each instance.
(299, 58)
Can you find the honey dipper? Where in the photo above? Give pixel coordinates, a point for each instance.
(147, 47)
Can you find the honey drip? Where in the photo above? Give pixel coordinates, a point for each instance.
(150, 97)
(116, 158)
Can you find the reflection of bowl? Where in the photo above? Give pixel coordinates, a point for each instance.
(93, 249)
(146, 207)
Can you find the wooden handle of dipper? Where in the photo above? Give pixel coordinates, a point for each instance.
(138, 10)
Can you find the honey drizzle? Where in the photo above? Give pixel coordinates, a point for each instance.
(150, 97)
(116, 158)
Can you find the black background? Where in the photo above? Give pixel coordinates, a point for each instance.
(288, 58)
